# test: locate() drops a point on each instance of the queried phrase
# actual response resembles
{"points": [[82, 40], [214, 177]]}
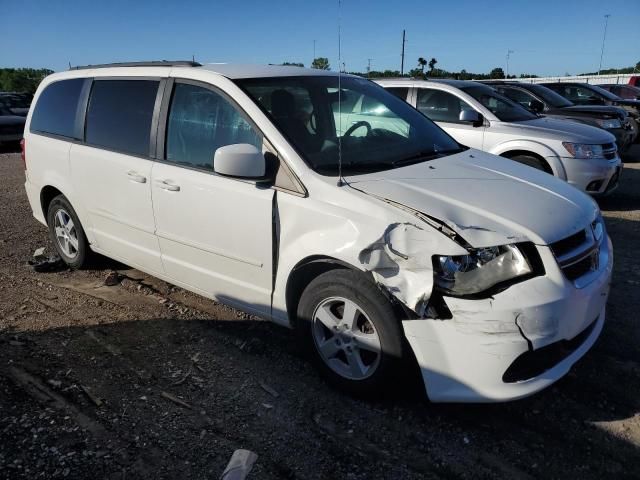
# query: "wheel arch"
{"points": [[47, 194], [534, 149], [303, 273]]}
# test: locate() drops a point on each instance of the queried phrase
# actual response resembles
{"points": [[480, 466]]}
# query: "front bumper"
{"points": [[464, 359], [595, 177], [624, 137]]}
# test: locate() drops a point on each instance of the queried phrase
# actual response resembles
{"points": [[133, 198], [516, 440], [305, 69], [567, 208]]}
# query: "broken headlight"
{"points": [[480, 270]]}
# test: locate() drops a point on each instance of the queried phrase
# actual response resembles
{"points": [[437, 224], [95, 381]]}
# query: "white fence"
{"points": [[595, 79]]}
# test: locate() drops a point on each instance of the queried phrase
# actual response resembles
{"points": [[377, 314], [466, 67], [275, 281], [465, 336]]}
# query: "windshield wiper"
{"points": [[424, 156]]}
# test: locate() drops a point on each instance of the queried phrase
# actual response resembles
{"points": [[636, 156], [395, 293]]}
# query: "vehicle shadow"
{"points": [[627, 196], [227, 368], [10, 147]]}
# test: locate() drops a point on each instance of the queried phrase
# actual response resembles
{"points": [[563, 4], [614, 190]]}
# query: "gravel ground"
{"points": [[145, 380]]}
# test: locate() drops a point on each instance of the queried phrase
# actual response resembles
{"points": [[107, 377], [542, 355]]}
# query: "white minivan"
{"points": [[385, 249], [479, 117]]}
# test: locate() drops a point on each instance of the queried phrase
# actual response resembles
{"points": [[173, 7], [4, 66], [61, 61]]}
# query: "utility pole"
{"points": [[402, 56], [509, 52], [604, 37], [314, 49], [369, 66]]}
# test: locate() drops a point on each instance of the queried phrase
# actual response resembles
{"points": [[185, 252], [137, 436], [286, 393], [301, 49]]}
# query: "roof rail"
{"points": [[158, 63]]}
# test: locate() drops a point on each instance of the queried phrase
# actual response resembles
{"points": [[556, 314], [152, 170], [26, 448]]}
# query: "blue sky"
{"points": [[548, 37]]}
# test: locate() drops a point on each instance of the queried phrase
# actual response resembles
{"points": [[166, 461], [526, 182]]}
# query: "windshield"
{"points": [[549, 96], [503, 108], [373, 129], [606, 94]]}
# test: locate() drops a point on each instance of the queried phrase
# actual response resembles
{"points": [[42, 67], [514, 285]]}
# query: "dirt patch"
{"points": [[144, 380]]}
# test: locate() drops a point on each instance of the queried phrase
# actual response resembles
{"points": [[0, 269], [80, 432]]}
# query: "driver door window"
{"points": [[201, 121]]}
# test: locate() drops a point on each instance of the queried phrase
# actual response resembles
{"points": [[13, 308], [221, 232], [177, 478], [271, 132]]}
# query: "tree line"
{"points": [[22, 79], [432, 72]]}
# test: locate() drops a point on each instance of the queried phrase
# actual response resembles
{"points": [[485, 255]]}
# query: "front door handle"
{"points": [[136, 177], [165, 185]]}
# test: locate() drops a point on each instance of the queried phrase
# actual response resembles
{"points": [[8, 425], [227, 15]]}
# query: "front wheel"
{"points": [[532, 161], [352, 332]]}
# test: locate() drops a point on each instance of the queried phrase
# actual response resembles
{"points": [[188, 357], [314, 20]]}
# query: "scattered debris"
{"points": [[42, 263], [113, 278], [16, 343], [240, 465], [184, 378], [175, 400], [55, 383], [268, 406], [269, 390], [91, 396]]}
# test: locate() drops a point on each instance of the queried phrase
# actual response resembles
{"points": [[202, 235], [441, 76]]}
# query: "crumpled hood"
{"points": [[488, 200], [546, 127]]}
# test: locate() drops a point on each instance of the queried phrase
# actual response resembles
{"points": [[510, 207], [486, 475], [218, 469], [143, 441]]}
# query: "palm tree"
{"points": [[421, 64], [432, 64]]}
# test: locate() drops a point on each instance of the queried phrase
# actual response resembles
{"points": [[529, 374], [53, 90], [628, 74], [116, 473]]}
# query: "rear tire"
{"points": [[532, 161], [67, 234], [352, 333]]}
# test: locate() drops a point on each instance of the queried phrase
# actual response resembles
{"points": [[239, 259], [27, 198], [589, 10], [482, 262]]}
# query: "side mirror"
{"points": [[240, 160], [536, 106], [471, 116]]}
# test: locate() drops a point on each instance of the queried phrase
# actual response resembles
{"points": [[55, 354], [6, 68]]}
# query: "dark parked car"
{"points": [[586, 94], [16, 103], [11, 128], [628, 92], [542, 100]]}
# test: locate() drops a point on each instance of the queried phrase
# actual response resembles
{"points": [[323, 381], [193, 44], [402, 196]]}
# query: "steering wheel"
{"points": [[357, 125]]}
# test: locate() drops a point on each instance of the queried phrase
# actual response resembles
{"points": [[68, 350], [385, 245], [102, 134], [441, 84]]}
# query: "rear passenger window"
{"points": [[201, 121], [55, 111], [119, 115]]}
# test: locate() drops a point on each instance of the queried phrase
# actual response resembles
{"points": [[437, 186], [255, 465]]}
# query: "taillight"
{"points": [[22, 153]]}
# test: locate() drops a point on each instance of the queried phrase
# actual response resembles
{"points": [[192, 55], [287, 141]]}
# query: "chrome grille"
{"points": [[579, 254]]}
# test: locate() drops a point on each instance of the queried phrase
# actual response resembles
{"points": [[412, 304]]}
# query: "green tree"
{"points": [[320, 63], [496, 73], [422, 62], [22, 79], [292, 64], [432, 64]]}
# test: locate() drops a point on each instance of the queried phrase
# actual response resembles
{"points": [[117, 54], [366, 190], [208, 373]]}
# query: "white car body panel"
{"points": [[388, 225]]}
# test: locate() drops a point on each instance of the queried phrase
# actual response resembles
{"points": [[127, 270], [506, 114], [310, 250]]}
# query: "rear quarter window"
{"points": [[119, 115], [55, 110]]}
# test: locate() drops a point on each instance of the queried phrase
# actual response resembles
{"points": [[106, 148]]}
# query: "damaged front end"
{"points": [[485, 319]]}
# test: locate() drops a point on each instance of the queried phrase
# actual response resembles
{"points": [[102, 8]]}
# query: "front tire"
{"points": [[351, 332], [533, 162], [67, 233]]}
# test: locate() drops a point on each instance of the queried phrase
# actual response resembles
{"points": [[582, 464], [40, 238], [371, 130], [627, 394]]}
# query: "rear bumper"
{"points": [[33, 194], [465, 358]]}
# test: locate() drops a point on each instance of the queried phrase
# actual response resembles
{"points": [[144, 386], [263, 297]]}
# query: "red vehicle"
{"points": [[635, 81]]}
